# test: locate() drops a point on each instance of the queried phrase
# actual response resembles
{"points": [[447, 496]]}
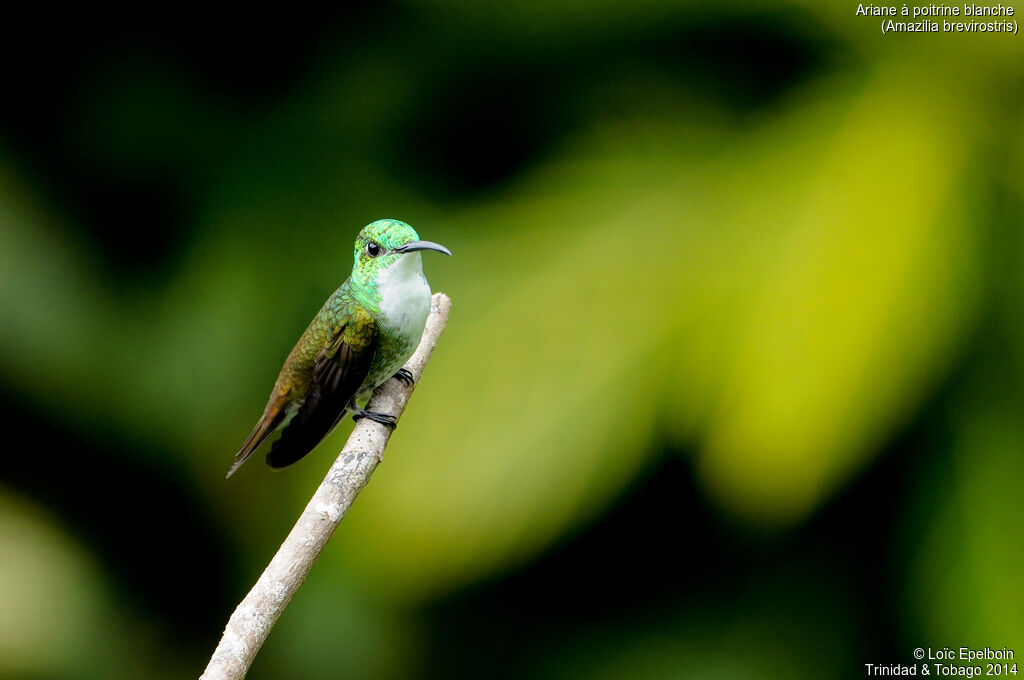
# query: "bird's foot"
{"points": [[404, 375], [382, 418]]}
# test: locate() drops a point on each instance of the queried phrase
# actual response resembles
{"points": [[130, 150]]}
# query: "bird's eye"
{"points": [[372, 249]]}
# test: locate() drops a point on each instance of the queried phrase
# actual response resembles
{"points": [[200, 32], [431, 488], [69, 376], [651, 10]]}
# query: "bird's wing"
{"points": [[340, 369]]}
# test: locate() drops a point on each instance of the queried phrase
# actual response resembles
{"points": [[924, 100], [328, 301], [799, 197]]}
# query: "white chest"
{"points": [[404, 296]]}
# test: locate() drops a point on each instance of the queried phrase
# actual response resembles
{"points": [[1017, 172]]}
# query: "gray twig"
{"points": [[252, 620]]}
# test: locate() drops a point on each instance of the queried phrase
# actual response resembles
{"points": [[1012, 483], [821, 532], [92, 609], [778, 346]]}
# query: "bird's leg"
{"points": [[404, 375]]}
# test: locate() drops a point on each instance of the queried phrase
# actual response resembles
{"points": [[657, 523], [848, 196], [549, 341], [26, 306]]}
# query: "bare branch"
{"points": [[252, 620]]}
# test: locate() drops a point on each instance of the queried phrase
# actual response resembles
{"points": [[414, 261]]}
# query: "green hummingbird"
{"points": [[362, 336]]}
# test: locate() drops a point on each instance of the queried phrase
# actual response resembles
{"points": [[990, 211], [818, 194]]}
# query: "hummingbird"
{"points": [[360, 338]]}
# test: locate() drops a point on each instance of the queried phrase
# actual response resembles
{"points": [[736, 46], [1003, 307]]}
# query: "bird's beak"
{"points": [[422, 245]]}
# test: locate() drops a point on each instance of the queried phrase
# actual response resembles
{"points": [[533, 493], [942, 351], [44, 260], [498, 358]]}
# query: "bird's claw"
{"points": [[382, 418]]}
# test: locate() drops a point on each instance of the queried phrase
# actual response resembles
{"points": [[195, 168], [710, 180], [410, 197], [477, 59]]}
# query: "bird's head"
{"points": [[383, 243]]}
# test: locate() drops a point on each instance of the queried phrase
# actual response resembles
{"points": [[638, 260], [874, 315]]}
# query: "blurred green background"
{"points": [[733, 384]]}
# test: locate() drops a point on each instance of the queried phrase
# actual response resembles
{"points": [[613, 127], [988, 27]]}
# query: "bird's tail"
{"points": [[272, 417]]}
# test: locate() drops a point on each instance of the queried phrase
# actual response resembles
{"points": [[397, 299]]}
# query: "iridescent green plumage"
{"points": [[360, 337]]}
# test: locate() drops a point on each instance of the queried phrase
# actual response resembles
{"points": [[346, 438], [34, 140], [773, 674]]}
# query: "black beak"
{"points": [[422, 245]]}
